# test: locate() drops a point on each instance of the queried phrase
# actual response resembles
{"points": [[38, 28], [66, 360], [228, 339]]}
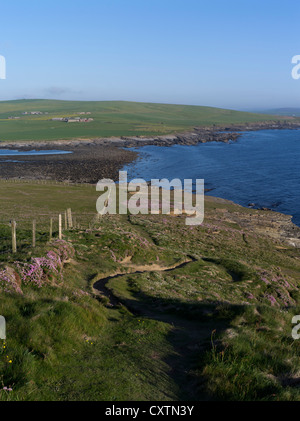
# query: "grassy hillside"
{"points": [[176, 312], [110, 119]]}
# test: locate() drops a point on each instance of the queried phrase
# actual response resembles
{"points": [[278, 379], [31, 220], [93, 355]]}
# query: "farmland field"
{"points": [[111, 118]]}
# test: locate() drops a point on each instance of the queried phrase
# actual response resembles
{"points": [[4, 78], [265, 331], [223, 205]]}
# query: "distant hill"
{"points": [[290, 112], [111, 118]]}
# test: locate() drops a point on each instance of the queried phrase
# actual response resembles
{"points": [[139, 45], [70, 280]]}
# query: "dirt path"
{"points": [[99, 286], [189, 337]]}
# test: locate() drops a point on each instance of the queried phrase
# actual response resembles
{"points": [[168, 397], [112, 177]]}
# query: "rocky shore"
{"points": [[94, 159], [87, 163], [208, 134], [275, 225]]}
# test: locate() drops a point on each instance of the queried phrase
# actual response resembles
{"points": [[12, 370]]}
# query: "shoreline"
{"points": [[275, 225], [200, 134], [96, 159]]}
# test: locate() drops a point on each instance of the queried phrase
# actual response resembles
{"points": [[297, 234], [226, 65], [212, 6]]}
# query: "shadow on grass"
{"points": [[193, 327]]}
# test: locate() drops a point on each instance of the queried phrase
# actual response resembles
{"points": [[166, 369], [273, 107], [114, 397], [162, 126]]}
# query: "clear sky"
{"points": [[224, 53]]}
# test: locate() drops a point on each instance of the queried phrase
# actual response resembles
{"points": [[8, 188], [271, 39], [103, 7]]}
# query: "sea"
{"points": [[260, 170], [13, 152]]}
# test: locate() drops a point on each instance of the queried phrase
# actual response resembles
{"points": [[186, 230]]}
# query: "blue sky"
{"points": [[232, 54]]}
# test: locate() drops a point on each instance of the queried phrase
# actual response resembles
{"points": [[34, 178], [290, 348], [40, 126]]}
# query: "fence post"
{"points": [[34, 233], [70, 220], [51, 228], [66, 221], [14, 236], [60, 227]]}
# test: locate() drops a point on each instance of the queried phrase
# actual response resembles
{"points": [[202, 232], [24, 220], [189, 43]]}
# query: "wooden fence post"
{"points": [[51, 228], [34, 233], [60, 227], [14, 236], [66, 221], [70, 220]]}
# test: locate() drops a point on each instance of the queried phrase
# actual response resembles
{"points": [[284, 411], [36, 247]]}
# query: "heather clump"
{"points": [[10, 281], [63, 249], [39, 271]]}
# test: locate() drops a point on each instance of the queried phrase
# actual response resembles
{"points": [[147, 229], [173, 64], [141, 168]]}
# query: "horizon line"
{"points": [[249, 110]]}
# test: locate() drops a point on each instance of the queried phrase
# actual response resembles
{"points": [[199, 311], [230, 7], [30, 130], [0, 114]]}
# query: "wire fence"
{"points": [[18, 236]]}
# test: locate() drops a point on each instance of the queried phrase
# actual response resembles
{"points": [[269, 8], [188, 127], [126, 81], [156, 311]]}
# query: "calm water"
{"points": [[261, 167], [11, 152]]}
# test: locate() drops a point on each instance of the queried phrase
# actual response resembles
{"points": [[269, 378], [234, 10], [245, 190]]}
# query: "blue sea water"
{"points": [[12, 152], [261, 167]]}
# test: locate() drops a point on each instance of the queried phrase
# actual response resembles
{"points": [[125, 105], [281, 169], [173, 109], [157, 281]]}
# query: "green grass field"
{"points": [[111, 118], [204, 312]]}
